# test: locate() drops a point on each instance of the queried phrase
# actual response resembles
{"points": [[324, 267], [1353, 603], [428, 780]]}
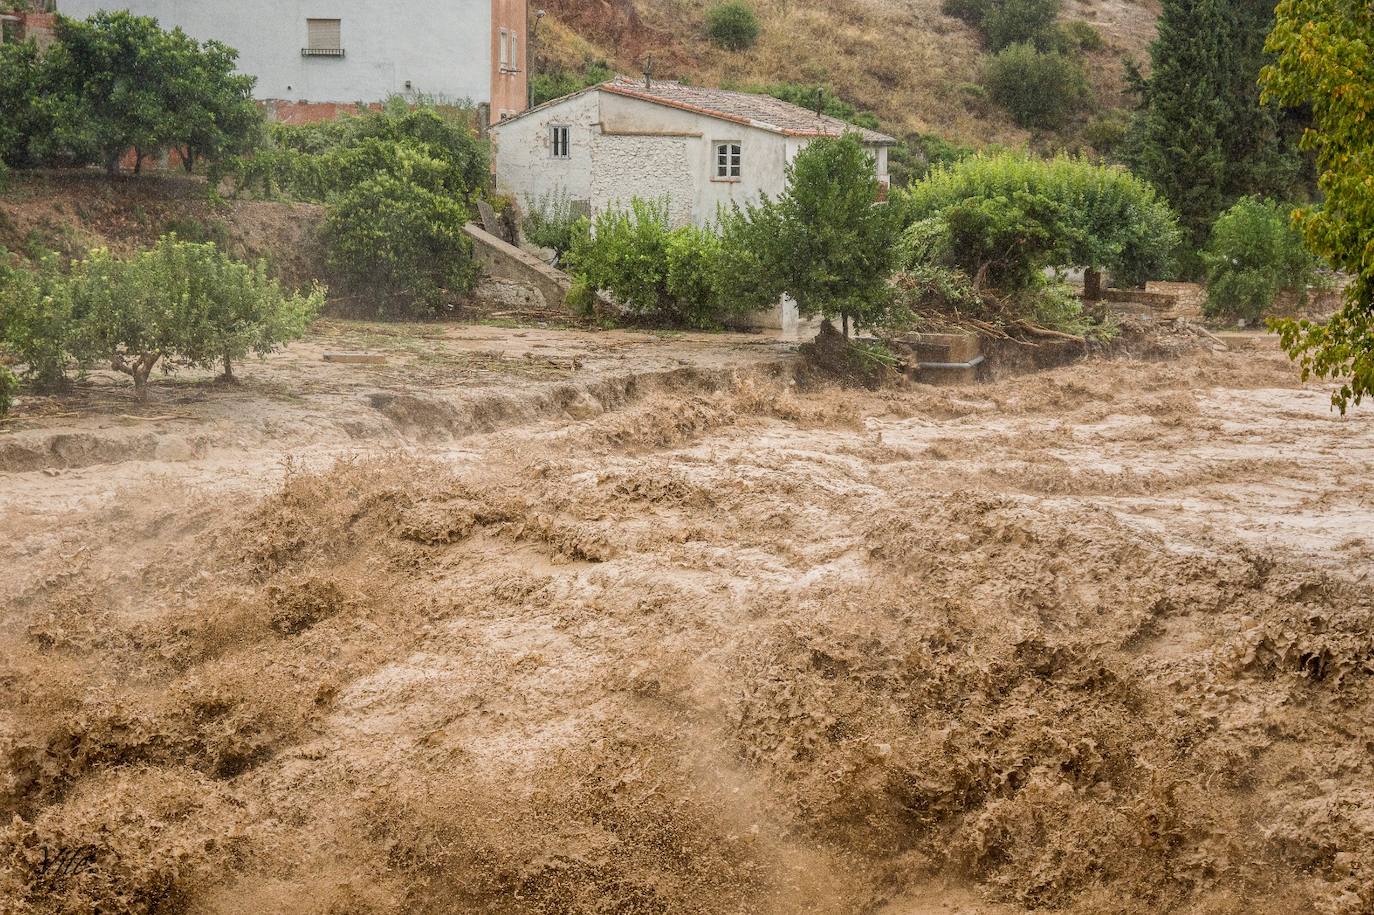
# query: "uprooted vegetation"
{"points": [[715, 652]]}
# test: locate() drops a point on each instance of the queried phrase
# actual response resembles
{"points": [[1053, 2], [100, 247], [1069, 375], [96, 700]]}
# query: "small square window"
{"points": [[560, 142], [729, 160], [323, 38]]}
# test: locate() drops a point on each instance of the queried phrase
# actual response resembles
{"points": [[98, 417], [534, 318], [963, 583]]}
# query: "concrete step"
{"points": [[945, 359]]}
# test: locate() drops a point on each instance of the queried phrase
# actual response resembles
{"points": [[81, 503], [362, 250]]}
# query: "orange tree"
{"points": [[1325, 59]]}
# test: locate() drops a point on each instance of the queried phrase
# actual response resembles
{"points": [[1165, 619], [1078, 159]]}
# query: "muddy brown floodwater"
{"points": [[675, 633]]}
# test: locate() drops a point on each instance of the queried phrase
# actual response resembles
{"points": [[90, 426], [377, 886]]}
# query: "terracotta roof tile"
{"points": [[762, 111]]}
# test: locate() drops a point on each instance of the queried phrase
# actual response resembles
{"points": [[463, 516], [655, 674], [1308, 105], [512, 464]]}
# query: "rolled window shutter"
{"points": [[324, 35]]}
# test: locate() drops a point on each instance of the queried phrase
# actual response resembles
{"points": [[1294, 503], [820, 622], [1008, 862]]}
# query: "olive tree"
{"points": [[181, 304]]}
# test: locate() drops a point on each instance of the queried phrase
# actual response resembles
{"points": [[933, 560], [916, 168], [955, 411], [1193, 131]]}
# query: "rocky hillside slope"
{"points": [[905, 60]]}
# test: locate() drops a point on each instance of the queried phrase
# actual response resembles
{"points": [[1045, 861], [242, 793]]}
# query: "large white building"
{"points": [[697, 147], [346, 51]]}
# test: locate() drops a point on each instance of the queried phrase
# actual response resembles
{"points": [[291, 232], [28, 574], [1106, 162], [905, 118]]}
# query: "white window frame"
{"points": [[727, 160], [514, 66], [504, 49], [554, 151]]}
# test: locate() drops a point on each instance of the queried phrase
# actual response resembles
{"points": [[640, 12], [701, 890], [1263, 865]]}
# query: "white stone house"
{"points": [[338, 52], [695, 146]]}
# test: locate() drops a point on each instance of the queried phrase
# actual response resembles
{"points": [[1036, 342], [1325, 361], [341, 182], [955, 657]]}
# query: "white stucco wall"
{"points": [[625, 147], [443, 47]]}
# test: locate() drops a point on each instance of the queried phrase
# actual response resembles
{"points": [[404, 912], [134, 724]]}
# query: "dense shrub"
{"points": [[1255, 252], [435, 148], [651, 269], [971, 11], [392, 237], [1041, 89], [732, 25], [399, 183], [545, 87], [550, 222], [1081, 35], [1009, 22], [1004, 218], [692, 258], [1107, 133]]}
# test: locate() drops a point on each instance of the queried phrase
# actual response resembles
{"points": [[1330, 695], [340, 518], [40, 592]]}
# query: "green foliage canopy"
{"points": [[651, 269], [831, 245], [1325, 58], [390, 235], [117, 82], [1005, 217], [1254, 253], [1202, 134], [179, 303]]}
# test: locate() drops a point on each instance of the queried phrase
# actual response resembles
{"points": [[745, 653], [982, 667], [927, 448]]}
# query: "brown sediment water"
{"points": [[1098, 639]]}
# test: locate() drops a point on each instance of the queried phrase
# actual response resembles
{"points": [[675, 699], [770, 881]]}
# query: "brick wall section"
{"points": [[37, 26], [503, 261], [287, 112]]}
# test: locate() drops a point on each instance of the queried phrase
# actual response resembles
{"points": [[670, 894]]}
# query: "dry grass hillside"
{"points": [[914, 66]]}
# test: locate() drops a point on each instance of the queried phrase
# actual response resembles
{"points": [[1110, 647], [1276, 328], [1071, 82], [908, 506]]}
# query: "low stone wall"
{"points": [[502, 261], [1140, 296]]}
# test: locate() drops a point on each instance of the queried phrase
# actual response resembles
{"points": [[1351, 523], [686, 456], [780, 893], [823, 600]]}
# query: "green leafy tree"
{"points": [[118, 82], [733, 25], [21, 99], [1255, 253], [1324, 60], [238, 308], [832, 245], [1202, 134], [1004, 218], [393, 237], [181, 304], [1041, 89], [41, 322], [213, 117]]}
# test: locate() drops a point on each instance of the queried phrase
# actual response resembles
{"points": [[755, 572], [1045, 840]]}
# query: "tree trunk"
{"points": [[138, 161], [844, 324], [188, 160], [1092, 285], [112, 163], [228, 375], [138, 370]]}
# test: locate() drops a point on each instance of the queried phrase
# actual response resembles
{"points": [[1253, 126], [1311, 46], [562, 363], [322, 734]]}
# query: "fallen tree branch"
{"points": [[1038, 331]]}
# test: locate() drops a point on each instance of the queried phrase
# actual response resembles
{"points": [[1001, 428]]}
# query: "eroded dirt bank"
{"points": [[1099, 639]]}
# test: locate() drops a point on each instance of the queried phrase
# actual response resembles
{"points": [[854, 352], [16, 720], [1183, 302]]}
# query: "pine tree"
{"points": [[1201, 135]]}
